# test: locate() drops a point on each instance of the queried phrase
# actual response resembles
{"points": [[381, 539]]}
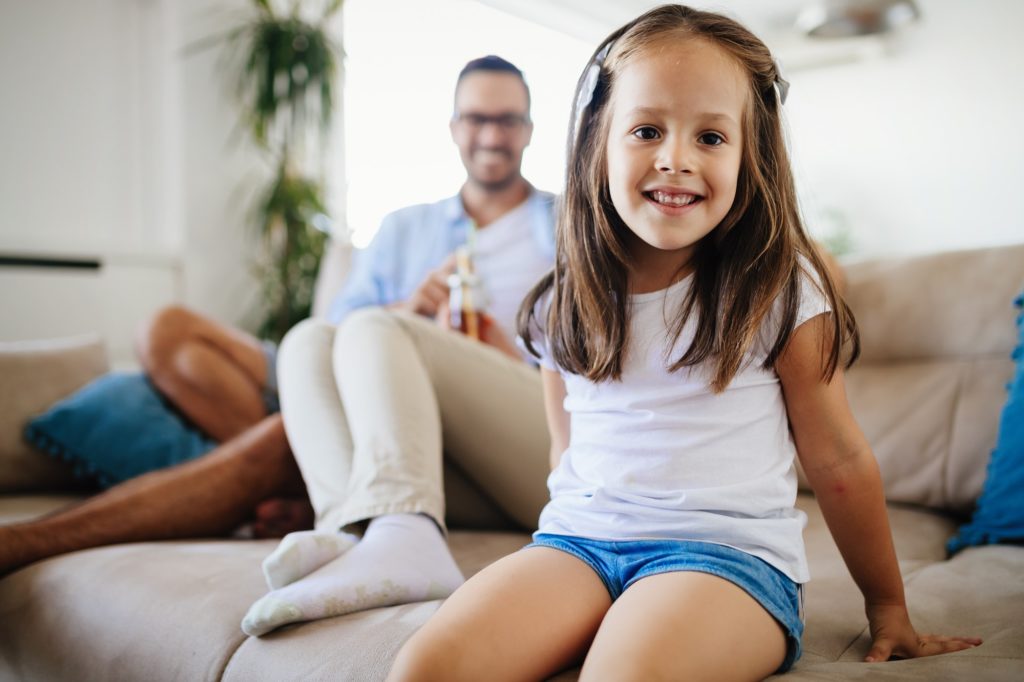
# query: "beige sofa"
{"points": [[937, 333]]}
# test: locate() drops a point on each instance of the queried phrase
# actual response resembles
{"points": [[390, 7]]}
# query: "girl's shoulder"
{"points": [[813, 300]]}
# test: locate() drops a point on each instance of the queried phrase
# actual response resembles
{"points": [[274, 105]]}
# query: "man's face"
{"points": [[491, 127]]}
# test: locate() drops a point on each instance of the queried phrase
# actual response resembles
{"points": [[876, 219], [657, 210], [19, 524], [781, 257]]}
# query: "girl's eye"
{"points": [[711, 139], [646, 133]]}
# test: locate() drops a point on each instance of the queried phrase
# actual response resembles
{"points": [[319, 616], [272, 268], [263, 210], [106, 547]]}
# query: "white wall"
{"points": [[922, 149], [117, 145]]}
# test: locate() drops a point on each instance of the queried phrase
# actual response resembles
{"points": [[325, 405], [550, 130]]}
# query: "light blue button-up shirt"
{"points": [[413, 241]]}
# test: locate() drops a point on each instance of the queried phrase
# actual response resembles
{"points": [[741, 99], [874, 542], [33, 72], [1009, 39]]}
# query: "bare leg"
{"points": [[685, 626], [214, 374], [526, 616], [206, 497]]}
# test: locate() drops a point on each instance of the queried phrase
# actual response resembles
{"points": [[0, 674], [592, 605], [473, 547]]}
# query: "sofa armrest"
{"points": [[33, 376]]}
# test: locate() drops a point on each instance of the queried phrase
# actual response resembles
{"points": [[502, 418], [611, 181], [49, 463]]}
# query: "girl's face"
{"points": [[675, 142]]}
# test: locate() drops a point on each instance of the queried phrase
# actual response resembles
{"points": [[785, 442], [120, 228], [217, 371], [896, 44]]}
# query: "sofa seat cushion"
{"points": [[833, 605], [171, 610], [979, 592], [146, 611]]}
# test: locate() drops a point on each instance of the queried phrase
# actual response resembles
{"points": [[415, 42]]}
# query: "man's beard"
{"points": [[496, 185]]}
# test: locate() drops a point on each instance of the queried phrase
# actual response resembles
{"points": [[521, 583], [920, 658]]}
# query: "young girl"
{"points": [[691, 342]]}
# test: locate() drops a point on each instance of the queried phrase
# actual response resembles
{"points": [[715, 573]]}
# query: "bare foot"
{"points": [[278, 516]]}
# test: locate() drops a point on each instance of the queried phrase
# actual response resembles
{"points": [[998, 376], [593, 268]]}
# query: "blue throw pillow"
{"points": [[116, 428], [999, 516]]}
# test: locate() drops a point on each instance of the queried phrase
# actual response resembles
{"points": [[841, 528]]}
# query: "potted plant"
{"points": [[285, 69]]}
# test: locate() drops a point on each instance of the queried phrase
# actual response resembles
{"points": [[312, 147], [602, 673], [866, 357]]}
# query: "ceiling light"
{"points": [[849, 18]]}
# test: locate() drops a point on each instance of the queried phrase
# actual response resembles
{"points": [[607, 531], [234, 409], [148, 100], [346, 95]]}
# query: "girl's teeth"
{"points": [[673, 199]]}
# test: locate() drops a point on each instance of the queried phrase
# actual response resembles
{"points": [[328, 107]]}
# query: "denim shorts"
{"points": [[619, 564]]}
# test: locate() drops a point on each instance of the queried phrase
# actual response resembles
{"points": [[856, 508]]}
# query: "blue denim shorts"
{"points": [[619, 564]]}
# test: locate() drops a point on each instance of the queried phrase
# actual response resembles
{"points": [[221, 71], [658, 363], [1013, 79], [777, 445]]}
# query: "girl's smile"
{"points": [[672, 201]]}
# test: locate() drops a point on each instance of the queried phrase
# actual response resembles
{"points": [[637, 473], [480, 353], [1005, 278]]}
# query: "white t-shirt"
{"points": [[509, 261], [659, 455]]}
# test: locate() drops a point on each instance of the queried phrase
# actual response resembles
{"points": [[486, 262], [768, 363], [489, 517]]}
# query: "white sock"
{"points": [[301, 553], [402, 558]]}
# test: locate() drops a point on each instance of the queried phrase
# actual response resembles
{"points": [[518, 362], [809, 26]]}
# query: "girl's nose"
{"points": [[674, 158]]}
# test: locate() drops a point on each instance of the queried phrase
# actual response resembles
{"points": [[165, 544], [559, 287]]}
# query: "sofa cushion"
{"points": [[33, 376], [171, 610], [930, 382], [116, 428], [1000, 513]]}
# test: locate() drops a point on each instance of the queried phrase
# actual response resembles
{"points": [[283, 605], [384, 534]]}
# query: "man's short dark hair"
{"points": [[494, 64]]}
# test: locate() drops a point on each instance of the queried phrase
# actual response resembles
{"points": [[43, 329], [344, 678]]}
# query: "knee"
{"points": [[305, 339], [366, 325], [161, 336], [305, 333]]}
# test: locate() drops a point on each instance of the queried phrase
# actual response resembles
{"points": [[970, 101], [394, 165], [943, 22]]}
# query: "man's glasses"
{"points": [[506, 122]]}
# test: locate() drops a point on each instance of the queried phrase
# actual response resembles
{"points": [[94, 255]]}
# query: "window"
{"points": [[403, 57]]}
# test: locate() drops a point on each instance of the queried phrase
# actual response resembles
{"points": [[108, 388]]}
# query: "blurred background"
{"points": [[128, 182]]}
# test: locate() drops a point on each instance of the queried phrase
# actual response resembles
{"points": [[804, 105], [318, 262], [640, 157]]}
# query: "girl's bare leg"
{"points": [[526, 616], [685, 626]]}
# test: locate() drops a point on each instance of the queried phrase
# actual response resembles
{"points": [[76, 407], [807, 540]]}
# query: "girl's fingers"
{"points": [[927, 645], [881, 650], [931, 645]]}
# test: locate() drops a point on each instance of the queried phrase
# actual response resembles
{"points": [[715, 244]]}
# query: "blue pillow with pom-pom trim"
{"points": [[999, 516], [115, 428]]}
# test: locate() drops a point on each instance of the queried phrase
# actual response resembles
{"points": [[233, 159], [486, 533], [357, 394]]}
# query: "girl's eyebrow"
{"points": [[659, 111]]}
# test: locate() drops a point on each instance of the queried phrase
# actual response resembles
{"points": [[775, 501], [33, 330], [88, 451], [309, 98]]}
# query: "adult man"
{"points": [[370, 408], [222, 379]]}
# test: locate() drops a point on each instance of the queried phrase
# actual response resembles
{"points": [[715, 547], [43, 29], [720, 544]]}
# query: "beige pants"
{"points": [[369, 410]]}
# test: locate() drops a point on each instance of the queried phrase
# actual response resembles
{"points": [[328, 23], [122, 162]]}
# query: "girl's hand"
{"points": [[892, 635]]}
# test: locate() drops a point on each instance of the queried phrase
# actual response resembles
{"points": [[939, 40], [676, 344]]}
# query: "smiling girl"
{"points": [[692, 344]]}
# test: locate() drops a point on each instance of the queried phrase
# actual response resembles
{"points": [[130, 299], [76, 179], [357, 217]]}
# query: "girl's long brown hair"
{"points": [[752, 259]]}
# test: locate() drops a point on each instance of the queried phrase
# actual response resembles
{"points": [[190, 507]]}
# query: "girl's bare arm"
{"points": [[844, 475], [558, 418]]}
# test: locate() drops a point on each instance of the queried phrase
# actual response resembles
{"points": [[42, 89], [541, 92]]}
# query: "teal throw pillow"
{"points": [[999, 516], [115, 428]]}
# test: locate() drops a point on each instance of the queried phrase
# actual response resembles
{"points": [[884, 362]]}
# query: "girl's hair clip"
{"points": [[590, 82], [781, 84], [589, 85]]}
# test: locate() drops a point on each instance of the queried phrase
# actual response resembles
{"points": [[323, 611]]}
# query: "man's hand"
{"points": [[892, 635], [433, 292], [490, 332]]}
